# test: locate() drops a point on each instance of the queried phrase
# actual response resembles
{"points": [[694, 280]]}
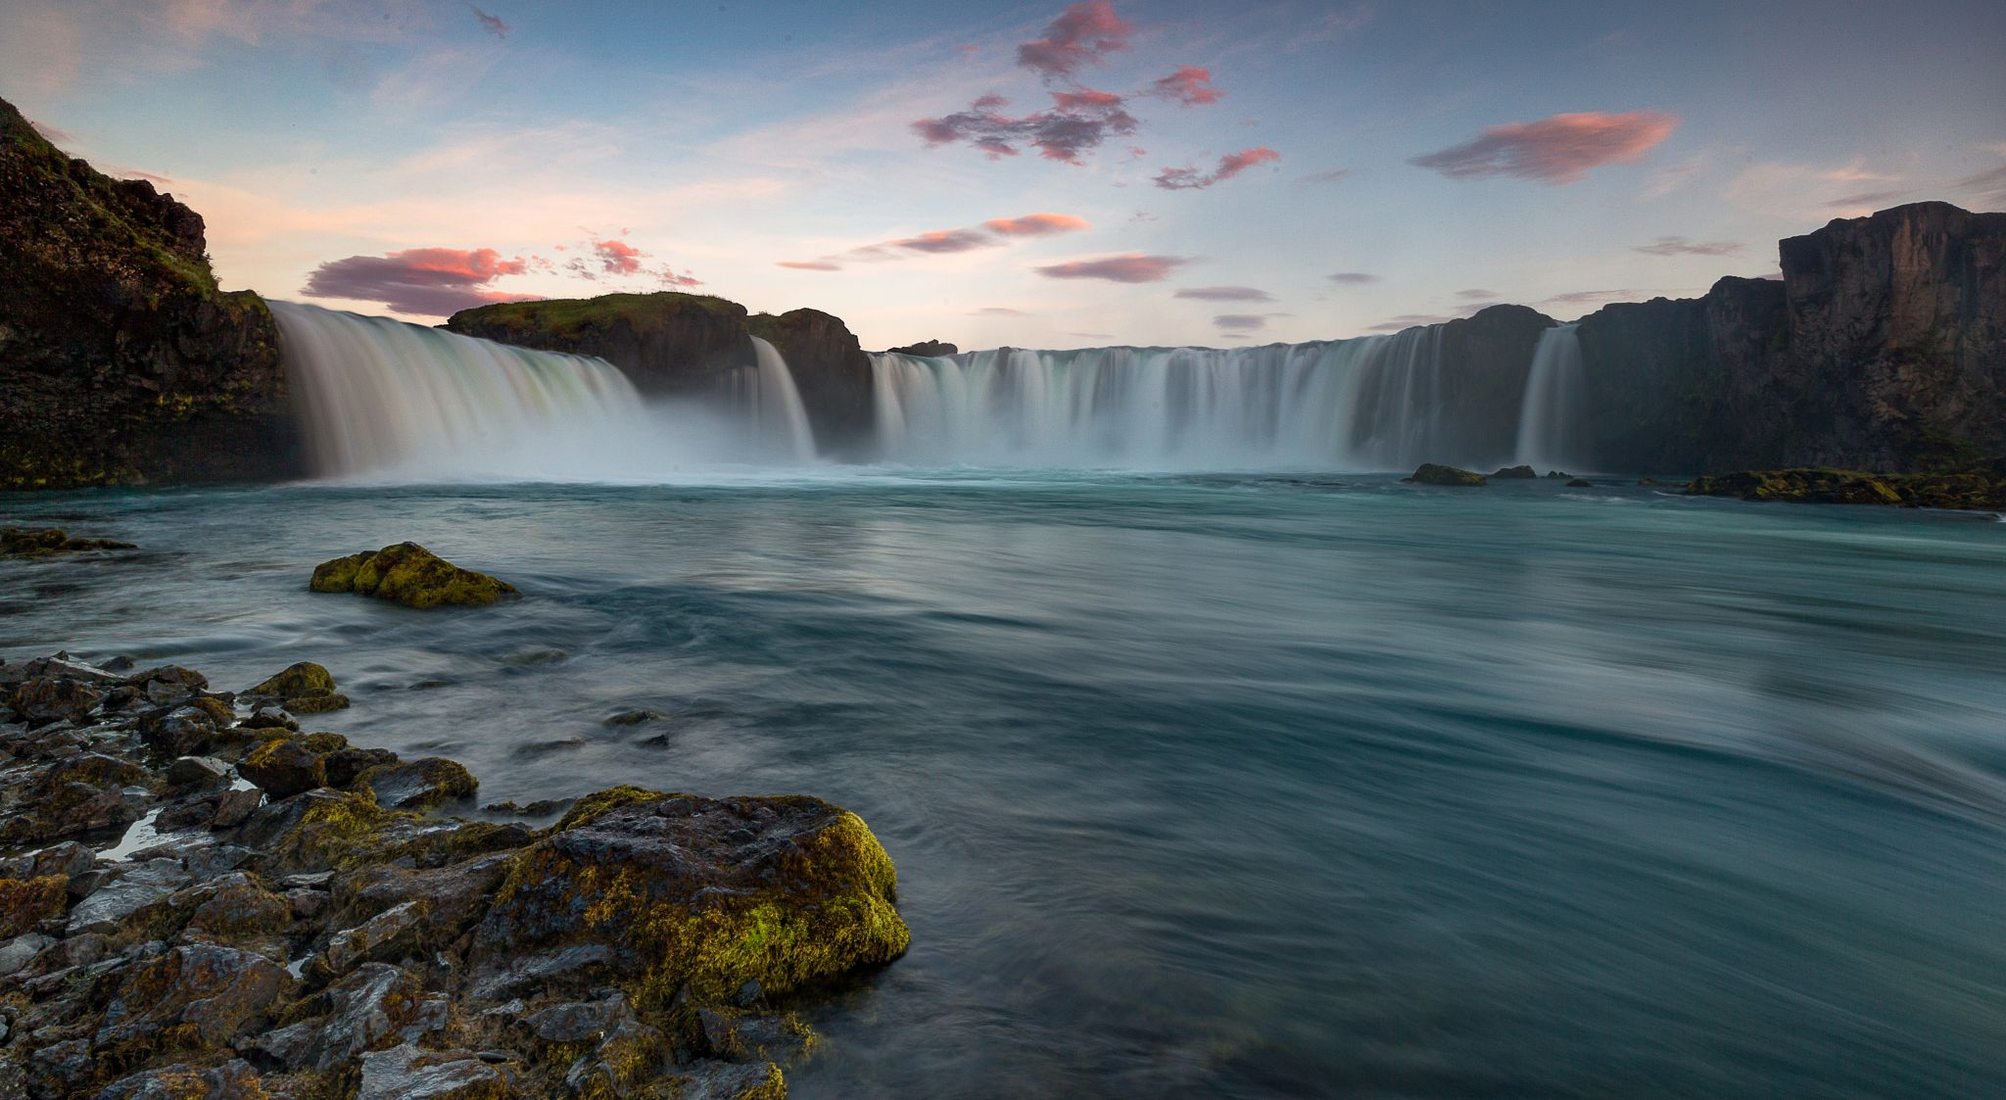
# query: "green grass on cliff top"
{"points": [[561, 314]]}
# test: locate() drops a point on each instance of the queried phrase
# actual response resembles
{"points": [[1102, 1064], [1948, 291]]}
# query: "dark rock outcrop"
{"points": [[1434, 473], [1882, 347], [690, 344], [1974, 491], [1486, 358], [930, 349], [120, 359], [831, 371], [22, 542]]}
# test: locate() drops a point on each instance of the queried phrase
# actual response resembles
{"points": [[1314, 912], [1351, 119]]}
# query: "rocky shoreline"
{"points": [[199, 897]]}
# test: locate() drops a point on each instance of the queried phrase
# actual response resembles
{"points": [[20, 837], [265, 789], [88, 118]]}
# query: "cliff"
{"points": [[1489, 355], [120, 360], [1883, 347], [670, 343]]}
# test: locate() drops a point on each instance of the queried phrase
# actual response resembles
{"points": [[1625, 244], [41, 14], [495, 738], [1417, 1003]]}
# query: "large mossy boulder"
{"points": [[409, 574], [719, 897], [120, 359]]}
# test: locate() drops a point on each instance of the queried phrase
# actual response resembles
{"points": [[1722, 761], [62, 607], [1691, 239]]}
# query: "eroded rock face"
{"points": [[120, 360], [831, 371], [1883, 347], [409, 574]]}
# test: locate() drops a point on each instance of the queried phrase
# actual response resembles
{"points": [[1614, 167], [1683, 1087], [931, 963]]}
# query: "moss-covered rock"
{"points": [[712, 895], [1432, 473], [409, 574], [284, 767], [27, 542], [423, 784], [25, 903], [303, 678], [1818, 485]]}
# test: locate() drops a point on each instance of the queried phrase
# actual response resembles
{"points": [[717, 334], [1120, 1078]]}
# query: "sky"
{"points": [[1151, 172]]}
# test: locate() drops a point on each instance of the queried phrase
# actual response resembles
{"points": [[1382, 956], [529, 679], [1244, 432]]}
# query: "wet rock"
{"points": [[731, 1081], [168, 684], [1810, 485], [68, 859], [111, 904], [61, 1068], [270, 720], [238, 910], [422, 784], [634, 718], [197, 772], [572, 967], [233, 1080], [409, 574], [219, 992], [26, 903], [41, 701], [386, 935], [284, 767], [1431, 473], [407, 1073], [364, 1011], [26, 542], [236, 806], [704, 893], [1580, 483], [345, 766], [303, 688], [580, 1021], [1516, 473], [17, 952], [454, 896]]}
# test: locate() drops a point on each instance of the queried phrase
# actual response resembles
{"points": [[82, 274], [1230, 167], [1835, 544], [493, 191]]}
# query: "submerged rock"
{"points": [[409, 574], [1432, 473], [25, 542]]}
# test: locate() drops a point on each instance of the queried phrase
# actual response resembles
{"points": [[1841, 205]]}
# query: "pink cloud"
{"points": [[947, 240], [1078, 122], [1191, 179], [810, 265], [1035, 225], [490, 23], [618, 257], [425, 282], [1082, 35], [1560, 149], [1225, 294], [1131, 267], [614, 257], [1190, 86]]}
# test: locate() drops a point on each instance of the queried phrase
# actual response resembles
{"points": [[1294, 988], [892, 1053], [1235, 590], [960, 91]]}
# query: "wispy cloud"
{"points": [[1191, 179], [1132, 267], [1189, 86], [1807, 191], [1477, 295], [990, 234], [427, 282], [1225, 294], [1328, 175], [1989, 185], [492, 24], [1680, 246], [1078, 123], [1244, 322], [1555, 150], [1410, 320], [1352, 278], [998, 311], [615, 258], [1082, 35]]}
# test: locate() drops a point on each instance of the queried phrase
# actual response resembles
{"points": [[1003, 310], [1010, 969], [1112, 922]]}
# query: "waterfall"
{"points": [[1373, 403], [384, 399], [774, 404], [1553, 415]]}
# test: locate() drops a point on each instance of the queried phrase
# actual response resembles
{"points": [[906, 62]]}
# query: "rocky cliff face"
{"points": [[120, 360], [1883, 347], [670, 343], [831, 371], [1490, 353]]}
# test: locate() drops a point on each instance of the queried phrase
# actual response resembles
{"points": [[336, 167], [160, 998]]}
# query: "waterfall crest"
{"points": [[1553, 413], [1373, 403], [384, 399]]}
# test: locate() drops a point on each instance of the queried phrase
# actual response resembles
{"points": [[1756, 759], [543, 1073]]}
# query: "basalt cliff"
{"points": [[120, 359]]}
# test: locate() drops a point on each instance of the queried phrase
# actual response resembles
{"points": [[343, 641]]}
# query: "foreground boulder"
{"points": [[1432, 473], [724, 898], [120, 359], [1816, 485], [303, 688], [409, 574]]}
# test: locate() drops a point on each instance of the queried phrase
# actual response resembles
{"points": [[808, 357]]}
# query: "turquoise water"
{"points": [[1223, 786]]}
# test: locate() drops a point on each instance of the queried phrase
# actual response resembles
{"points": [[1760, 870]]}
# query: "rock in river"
{"points": [[411, 575]]}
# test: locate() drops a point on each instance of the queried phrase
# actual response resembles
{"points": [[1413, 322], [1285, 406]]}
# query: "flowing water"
{"points": [[1553, 415], [1221, 785]]}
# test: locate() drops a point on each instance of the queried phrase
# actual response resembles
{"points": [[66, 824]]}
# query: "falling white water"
{"points": [[382, 399], [1552, 416], [1375, 403]]}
